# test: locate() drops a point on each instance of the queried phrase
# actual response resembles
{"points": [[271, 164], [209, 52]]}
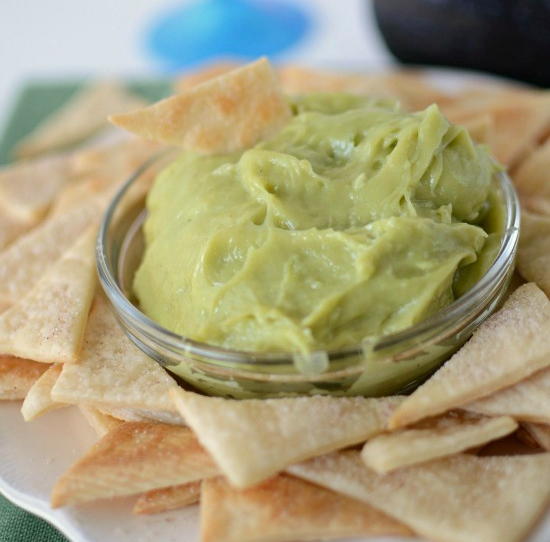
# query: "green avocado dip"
{"points": [[356, 220]]}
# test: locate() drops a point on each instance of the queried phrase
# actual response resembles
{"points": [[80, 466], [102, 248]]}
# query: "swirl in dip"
{"points": [[354, 221]]}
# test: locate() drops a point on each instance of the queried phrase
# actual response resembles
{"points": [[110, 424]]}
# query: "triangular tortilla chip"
{"points": [[253, 439], [481, 128], [413, 89], [531, 177], [534, 249], [540, 433], [458, 499], [99, 171], [142, 415], [513, 112], [536, 205], [114, 163], [478, 122], [26, 260], [225, 114], [508, 347], [525, 115], [27, 191], [17, 376], [528, 400], [83, 115], [133, 458], [111, 370], [11, 227], [38, 400], [471, 100], [101, 423], [48, 323], [300, 80], [89, 187], [286, 509], [432, 439], [512, 444], [29, 188], [204, 73], [168, 498]]}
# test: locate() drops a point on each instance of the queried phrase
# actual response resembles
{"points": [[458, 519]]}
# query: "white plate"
{"points": [[33, 455]]}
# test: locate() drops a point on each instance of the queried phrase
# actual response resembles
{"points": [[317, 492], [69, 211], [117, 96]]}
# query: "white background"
{"points": [[65, 38]]}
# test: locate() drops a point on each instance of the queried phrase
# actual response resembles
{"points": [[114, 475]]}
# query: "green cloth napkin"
{"points": [[34, 103], [38, 99], [16, 525]]}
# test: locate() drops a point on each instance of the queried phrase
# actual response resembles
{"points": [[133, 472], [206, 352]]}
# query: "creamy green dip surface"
{"points": [[354, 221]]}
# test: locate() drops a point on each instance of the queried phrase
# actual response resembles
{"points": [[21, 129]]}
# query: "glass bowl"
{"points": [[391, 364]]}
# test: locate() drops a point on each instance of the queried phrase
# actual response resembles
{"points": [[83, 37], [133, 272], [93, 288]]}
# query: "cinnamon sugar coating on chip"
{"points": [[224, 114], [132, 458], [17, 376]]}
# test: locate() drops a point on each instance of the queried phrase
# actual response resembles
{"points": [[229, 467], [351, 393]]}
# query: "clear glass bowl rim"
{"points": [[176, 342]]}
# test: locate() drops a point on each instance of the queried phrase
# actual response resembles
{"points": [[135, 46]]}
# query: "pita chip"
{"points": [[432, 439], [101, 423], [528, 400], [533, 260], [225, 114], [17, 376], [133, 458], [540, 433], [48, 323], [28, 189], [38, 400], [168, 498], [509, 346], [253, 439], [24, 262], [111, 370], [82, 116], [463, 498], [285, 508]]}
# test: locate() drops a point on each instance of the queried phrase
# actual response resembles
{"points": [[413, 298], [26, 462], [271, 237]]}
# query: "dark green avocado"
{"points": [[504, 37]]}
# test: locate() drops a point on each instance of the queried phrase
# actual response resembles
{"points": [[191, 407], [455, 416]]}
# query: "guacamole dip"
{"points": [[356, 220]]}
